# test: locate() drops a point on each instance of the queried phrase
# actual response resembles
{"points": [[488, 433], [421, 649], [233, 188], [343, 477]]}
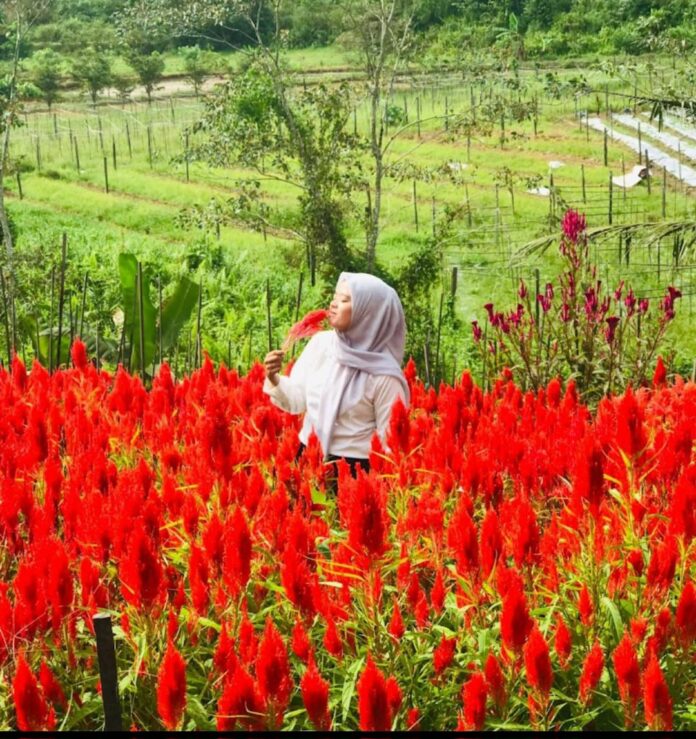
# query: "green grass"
{"points": [[139, 213]]}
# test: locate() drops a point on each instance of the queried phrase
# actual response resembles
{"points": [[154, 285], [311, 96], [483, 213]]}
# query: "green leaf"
{"points": [[128, 271], [177, 310], [615, 615], [349, 686]]}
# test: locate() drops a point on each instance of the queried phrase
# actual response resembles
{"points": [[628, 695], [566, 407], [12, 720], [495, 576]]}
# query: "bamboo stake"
{"points": [[61, 298]]}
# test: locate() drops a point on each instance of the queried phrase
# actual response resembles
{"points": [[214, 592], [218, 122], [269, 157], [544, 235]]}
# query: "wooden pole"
{"points": [[149, 145], [606, 148], [50, 320], [106, 656], [159, 318], [297, 305], [61, 297], [83, 307], [199, 326], [269, 323], [6, 314], [128, 139], [611, 199], [106, 175], [19, 185], [141, 320]]}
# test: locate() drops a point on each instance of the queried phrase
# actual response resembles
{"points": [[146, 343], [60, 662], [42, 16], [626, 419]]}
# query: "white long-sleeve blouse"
{"points": [[301, 391]]}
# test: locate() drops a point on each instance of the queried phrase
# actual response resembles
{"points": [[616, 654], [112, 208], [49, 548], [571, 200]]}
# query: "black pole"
{"points": [[106, 655]]}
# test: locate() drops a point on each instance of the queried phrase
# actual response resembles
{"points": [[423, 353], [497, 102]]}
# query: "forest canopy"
{"points": [[533, 28]]}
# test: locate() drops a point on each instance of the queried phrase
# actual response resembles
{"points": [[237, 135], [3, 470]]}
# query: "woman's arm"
{"points": [[387, 390], [290, 393]]}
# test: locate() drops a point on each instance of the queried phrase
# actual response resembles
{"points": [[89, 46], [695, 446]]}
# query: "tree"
{"points": [[16, 19], [123, 84], [46, 74], [297, 136], [198, 65], [381, 31], [149, 68], [93, 71]]}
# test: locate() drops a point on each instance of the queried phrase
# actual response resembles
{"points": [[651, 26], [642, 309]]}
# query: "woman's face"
{"points": [[341, 308]]}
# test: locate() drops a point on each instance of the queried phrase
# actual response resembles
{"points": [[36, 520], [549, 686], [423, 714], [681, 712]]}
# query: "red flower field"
{"points": [[515, 560]]}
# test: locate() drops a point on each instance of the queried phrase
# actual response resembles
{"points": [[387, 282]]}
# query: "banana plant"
{"points": [[144, 333]]}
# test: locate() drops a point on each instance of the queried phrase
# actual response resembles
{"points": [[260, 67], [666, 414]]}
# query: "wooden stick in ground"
{"points": [[6, 315], [61, 298], [106, 656], [141, 320], [268, 315], [84, 304]]}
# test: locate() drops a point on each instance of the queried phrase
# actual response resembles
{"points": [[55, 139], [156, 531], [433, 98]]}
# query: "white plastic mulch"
{"points": [[664, 137], [657, 156]]}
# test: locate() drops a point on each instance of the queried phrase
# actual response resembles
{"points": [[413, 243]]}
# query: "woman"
{"points": [[347, 380]]}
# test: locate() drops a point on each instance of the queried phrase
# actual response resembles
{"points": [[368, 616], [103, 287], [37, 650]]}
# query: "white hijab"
{"points": [[373, 345]]}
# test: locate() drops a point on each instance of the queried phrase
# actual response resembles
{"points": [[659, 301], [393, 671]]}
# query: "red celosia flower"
{"points": [[562, 642], [141, 572], [413, 718], [171, 688], [496, 680], [639, 628], [630, 432], [79, 354], [491, 542], [236, 563], [300, 641], [686, 614], [474, 696], [225, 658], [298, 580], [462, 540], [304, 328], [396, 624], [240, 703], [374, 710], [198, 580], [273, 671], [658, 701], [398, 433], [589, 476], [573, 225], [443, 654], [437, 594], [33, 712], [538, 663], [515, 622], [627, 675], [363, 504], [585, 606], [591, 671], [332, 640], [663, 563], [315, 696], [660, 374], [51, 687], [394, 695]]}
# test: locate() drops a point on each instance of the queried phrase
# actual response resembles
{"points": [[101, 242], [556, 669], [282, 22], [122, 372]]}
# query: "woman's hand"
{"points": [[273, 363]]}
